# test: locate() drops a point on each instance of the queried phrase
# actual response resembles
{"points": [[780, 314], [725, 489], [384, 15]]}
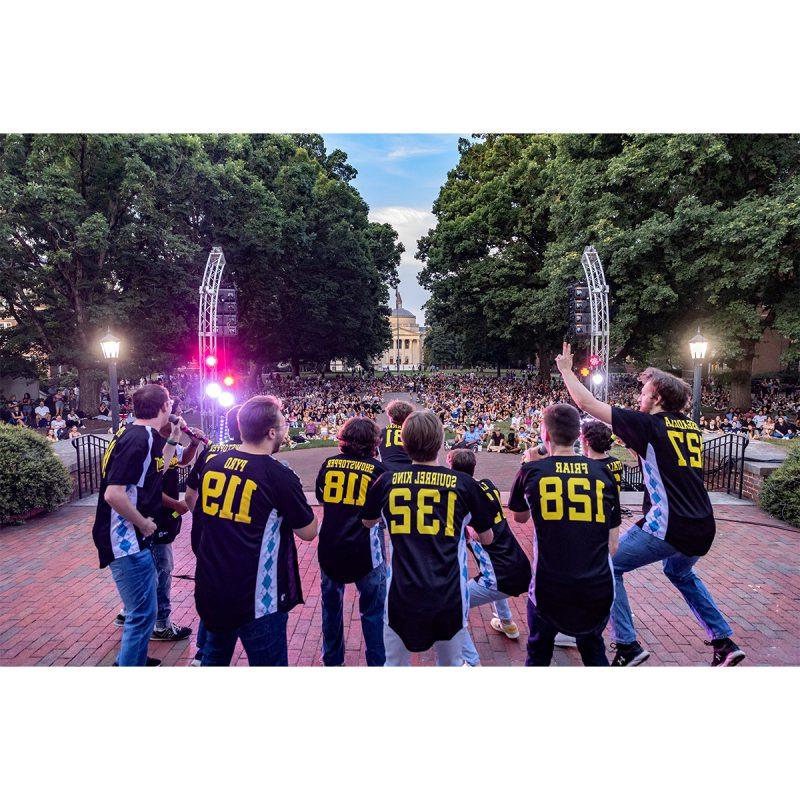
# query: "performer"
{"points": [[192, 485], [348, 552], [575, 507], [678, 524], [505, 570], [393, 454], [426, 509], [130, 498], [247, 577]]}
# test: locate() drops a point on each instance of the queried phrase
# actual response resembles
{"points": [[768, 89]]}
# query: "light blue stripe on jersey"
{"points": [[266, 594]]}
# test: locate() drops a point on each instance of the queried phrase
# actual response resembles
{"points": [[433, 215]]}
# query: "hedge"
{"points": [[31, 475], [780, 494]]}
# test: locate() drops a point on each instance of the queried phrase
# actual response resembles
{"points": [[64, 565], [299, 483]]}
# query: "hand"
{"points": [[176, 429], [149, 527], [532, 454], [564, 361]]}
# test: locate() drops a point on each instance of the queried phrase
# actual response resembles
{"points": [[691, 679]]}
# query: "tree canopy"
{"points": [[692, 229], [100, 230]]}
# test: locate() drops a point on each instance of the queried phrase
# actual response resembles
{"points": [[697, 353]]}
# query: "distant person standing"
{"points": [[678, 524], [393, 453]]}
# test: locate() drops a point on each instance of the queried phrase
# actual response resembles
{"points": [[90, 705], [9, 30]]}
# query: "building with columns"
{"points": [[407, 339]]}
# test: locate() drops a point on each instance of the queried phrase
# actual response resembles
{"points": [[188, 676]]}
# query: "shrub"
{"points": [[780, 494], [31, 475]]}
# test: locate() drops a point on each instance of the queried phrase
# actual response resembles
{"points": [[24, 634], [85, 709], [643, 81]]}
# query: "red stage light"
{"points": [[211, 361], [594, 361], [228, 380]]}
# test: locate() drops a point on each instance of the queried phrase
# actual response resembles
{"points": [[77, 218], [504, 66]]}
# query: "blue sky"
{"points": [[399, 176]]}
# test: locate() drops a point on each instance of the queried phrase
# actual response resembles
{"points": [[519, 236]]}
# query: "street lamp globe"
{"points": [[110, 346], [698, 345]]}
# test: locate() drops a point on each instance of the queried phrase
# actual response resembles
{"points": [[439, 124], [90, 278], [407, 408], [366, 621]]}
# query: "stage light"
{"points": [[584, 371], [211, 361], [228, 380], [597, 379], [213, 390], [226, 399], [594, 361]]}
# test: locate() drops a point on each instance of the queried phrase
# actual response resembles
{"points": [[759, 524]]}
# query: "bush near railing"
{"points": [[32, 478], [780, 494]]}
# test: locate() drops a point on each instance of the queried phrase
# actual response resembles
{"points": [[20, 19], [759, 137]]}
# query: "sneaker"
{"points": [[151, 662], [197, 660], [510, 629], [726, 653], [629, 655], [119, 620], [175, 633], [562, 640]]}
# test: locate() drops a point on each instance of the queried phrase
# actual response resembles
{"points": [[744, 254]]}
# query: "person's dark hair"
{"points": [[597, 434], [563, 423], [257, 416], [359, 437], [422, 435], [399, 411], [148, 400], [674, 392], [462, 461], [232, 421]]}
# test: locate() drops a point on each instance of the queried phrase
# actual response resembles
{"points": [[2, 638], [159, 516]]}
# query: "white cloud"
{"points": [[406, 151], [410, 224]]}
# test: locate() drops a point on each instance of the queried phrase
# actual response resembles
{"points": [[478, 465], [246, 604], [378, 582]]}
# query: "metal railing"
{"points": [[723, 466], [90, 450], [723, 463]]}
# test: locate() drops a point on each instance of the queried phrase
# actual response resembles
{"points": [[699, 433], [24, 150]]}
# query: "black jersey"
{"points": [[393, 454], [614, 466], [574, 503], [132, 460], [503, 564], [193, 482], [347, 550], [168, 520], [676, 504], [426, 510], [247, 561]]}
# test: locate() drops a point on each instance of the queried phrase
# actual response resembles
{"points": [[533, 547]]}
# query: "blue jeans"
{"points": [[263, 639], [478, 596], [202, 635], [542, 637], [448, 654], [162, 553], [371, 600], [636, 549], [135, 576]]}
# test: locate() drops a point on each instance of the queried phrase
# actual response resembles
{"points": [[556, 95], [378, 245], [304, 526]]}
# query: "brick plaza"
{"points": [[57, 607]]}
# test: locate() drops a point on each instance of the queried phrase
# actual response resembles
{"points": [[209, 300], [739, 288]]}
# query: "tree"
{"points": [[87, 239], [485, 257]]}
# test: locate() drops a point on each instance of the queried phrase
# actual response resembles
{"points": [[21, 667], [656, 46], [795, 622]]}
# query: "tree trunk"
{"points": [[295, 361], [498, 369], [89, 385], [742, 377], [543, 372]]}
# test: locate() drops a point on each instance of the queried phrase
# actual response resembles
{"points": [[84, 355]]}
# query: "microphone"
{"points": [[204, 439]]}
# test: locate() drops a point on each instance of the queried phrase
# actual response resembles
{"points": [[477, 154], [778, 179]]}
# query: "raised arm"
{"points": [[583, 398]]}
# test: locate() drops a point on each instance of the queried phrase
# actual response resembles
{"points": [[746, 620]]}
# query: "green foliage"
{"points": [[31, 475], [690, 227], [780, 494], [114, 230]]}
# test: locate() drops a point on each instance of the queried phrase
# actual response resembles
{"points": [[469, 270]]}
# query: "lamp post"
{"points": [[110, 346], [698, 345]]}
